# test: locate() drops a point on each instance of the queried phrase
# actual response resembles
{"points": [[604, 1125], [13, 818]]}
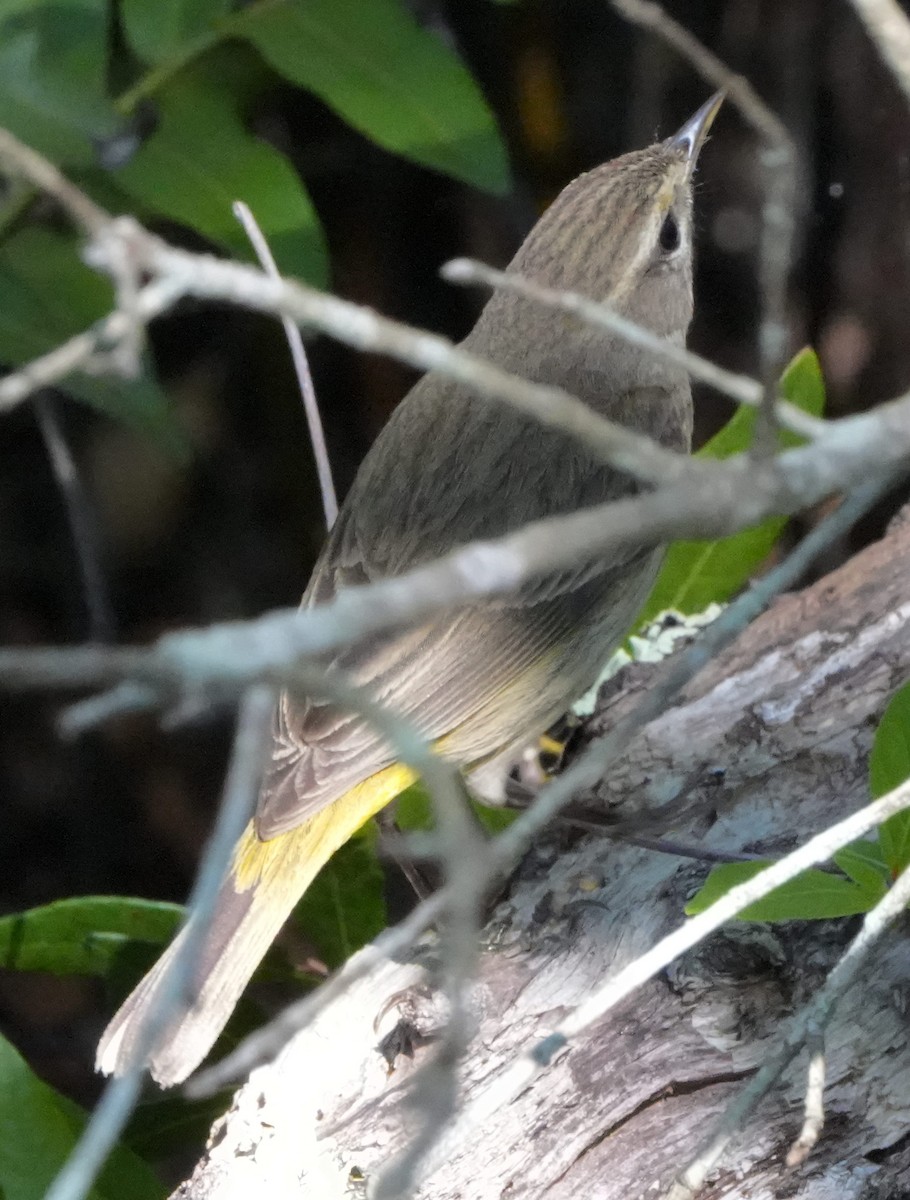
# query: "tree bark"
{"points": [[769, 745]]}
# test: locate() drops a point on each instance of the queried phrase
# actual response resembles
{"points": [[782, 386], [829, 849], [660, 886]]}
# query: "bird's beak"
{"points": [[694, 133]]}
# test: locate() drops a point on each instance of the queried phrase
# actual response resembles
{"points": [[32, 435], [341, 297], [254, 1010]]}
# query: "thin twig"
{"points": [[814, 1017], [89, 351], [888, 27], [83, 528], [20, 160], [301, 366], [778, 222], [126, 697], [738, 493], [814, 1108], [120, 1096], [740, 388], [207, 277]]}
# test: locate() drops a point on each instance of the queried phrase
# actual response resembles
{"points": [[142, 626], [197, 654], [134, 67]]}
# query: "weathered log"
{"points": [[772, 741]]}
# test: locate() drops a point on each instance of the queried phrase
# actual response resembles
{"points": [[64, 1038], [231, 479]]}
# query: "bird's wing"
{"points": [[476, 679]]}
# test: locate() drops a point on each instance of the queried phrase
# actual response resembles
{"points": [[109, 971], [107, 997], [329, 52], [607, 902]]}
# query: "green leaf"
{"points": [[889, 762], [696, 574], [85, 935], [159, 30], [398, 84], [40, 1128], [414, 812], [53, 65], [344, 908], [864, 862], [493, 818], [414, 809], [46, 296], [889, 767], [803, 384], [201, 158], [813, 895]]}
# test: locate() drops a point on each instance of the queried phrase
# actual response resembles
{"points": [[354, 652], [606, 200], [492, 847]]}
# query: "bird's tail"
{"points": [[265, 881]]}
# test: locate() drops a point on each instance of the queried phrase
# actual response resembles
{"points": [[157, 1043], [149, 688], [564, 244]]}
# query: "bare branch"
{"points": [[888, 27], [121, 1095], [206, 277], [88, 351], [740, 388], [735, 493], [814, 1119], [301, 366], [18, 159], [81, 522]]}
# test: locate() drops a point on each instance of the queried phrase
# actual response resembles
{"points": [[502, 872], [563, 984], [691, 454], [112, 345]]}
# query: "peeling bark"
{"points": [[769, 745]]}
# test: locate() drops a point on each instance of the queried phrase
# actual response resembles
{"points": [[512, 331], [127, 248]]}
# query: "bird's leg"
{"points": [[392, 839]]}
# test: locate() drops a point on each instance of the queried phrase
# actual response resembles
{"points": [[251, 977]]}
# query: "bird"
{"points": [[451, 466]]}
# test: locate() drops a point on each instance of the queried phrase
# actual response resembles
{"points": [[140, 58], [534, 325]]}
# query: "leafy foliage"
{"points": [[201, 157], [85, 935], [386, 76], [53, 60], [197, 68], [47, 296], [40, 1128], [812, 895]]}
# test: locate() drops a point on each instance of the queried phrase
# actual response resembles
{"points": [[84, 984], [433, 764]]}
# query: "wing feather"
{"points": [[450, 676]]}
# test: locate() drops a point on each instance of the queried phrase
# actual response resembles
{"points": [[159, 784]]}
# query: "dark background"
{"points": [[235, 531]]}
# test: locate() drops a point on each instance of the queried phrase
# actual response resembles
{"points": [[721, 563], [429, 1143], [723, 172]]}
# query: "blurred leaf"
{"points": [[414, 812], [163, 29], [696, 574], [53, 65], [493, 818], [344, 907], [801, 383], [85, 935], [889, 767], [40, 1128], [166, 1125], [414, 809], [46, 296], [400, 85], [813, 895], [201, 158]]}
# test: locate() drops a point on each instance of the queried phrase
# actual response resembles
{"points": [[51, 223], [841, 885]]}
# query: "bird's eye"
{"points": [[669, 234]]}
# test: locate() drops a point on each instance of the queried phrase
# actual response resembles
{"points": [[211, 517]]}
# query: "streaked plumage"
{"points": [[448, 468]]}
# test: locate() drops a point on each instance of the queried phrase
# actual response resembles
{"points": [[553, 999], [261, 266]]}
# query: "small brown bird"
{"points": [[449, 467]]}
